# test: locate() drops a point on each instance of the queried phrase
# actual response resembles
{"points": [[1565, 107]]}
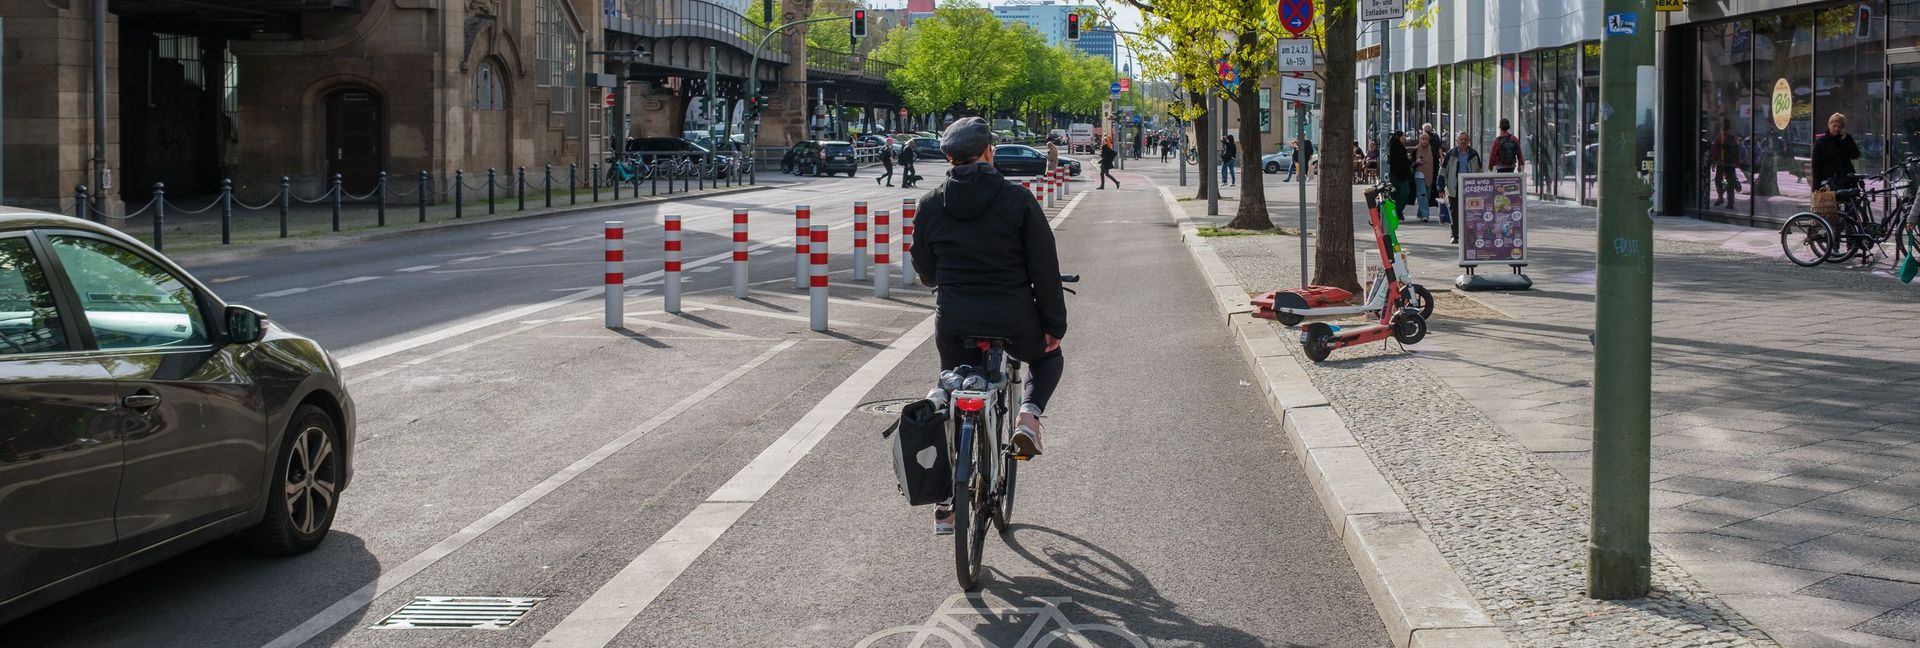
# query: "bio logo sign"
{"points": [[1782, 104]]}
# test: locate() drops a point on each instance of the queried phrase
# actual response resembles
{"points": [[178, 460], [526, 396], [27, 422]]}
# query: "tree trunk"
{"points": [[1333, 253], [1203, 140], [1252, 214]]}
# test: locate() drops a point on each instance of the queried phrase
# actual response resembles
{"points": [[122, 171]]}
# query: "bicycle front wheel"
{"points": [[968, 532], [1008, 473], [1806, 239]]}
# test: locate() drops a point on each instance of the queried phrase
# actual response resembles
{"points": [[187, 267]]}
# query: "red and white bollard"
{"points": [[1049, 188], [908, 208], [860, 240], [671, 288], [740, 256], [1028, 185], [616, 278], [801, 215], [882, 264], [817, 284]]}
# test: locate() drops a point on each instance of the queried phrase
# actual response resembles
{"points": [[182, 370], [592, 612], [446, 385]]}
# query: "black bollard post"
{"points": [[80, 207], [573, 183], [549, 185], [286, 195], [336, 202], [596, 182], [159, 215], [616, 187], [520, 187], [226, 211], [459, 190], [422, 196], [489, 191], [381, 189], [653, 183]]}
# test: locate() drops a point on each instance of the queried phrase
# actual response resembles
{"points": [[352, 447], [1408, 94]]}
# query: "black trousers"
{"points": [[1013, 319]]}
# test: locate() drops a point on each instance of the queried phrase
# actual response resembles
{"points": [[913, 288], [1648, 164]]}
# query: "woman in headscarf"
{"points": [[1400, 169]]}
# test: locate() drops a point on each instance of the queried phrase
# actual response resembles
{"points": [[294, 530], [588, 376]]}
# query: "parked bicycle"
{"points": [[984, 402], [1810, 239]]}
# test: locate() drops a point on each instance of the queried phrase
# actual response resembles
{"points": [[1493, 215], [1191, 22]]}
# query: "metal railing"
{"points": [[693, 19], [286, 214], [847, 63]]}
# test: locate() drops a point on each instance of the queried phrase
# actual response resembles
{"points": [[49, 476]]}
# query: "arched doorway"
{"points": [[356, 138]]}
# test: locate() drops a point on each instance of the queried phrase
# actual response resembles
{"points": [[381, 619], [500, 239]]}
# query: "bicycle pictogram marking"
{"points": [[945, 625]]}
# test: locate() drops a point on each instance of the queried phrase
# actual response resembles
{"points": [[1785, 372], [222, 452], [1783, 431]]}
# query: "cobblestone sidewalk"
{"points": [[1787, 463]]}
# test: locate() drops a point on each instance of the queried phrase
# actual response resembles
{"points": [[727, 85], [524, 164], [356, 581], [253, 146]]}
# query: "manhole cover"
{"points": [[889, 407], [483, 612]]}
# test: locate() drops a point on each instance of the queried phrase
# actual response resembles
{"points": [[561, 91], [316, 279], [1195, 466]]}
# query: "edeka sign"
{"points": [[1493, 217]]}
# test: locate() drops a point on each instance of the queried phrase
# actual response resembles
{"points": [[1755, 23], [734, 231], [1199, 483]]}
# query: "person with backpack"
{"points": [[886, 162], [1229, 154], [1107, 158], [1506, 157]]}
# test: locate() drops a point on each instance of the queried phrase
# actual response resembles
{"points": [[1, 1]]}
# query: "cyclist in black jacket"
{"points": [[986, 244]]}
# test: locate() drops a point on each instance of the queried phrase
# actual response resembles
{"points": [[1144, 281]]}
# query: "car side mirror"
{"points": [[245, 325]]}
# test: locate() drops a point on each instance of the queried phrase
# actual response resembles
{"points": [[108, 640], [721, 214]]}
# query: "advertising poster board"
{"points": [[1493, 219]]}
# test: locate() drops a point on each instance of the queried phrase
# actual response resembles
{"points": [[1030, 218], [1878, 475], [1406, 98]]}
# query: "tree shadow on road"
{"points": [[1105, 588]]}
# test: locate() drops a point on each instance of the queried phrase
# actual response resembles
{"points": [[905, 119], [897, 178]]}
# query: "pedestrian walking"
{"points": [[1505, 154], [1293, 159], [886, 162], [1400, 170], [1229, 154], [1461, 159], [907, 177], [1166, 148], [1724, 156], [1053, 153], [1439, 147], [1833, 156], [1107, 156], [1424, 163]]}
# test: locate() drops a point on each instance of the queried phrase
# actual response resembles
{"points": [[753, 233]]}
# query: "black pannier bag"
{"points": [[920, 458]]}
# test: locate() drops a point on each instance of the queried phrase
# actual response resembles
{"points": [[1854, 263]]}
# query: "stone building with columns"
{"points": [[254, 90]]}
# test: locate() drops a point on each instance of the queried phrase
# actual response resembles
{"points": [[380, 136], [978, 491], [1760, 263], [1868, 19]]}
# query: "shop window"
{"points": [[1783, 121], [1850, 77], [1727, 115]]}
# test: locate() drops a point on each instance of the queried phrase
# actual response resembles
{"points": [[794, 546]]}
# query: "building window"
{"points": [[558, 61], [230, 94], [488, 94], [185, 51], [1266, 110]]}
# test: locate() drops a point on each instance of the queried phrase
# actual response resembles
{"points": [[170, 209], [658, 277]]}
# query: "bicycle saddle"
{"points": [[1846, 194]]}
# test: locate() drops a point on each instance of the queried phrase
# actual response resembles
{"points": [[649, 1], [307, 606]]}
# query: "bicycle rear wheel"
{"points": [[1806, 239], [969, 521]]}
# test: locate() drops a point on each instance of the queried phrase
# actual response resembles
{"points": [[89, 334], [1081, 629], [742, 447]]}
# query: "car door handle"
{"points": [[141, 401]]}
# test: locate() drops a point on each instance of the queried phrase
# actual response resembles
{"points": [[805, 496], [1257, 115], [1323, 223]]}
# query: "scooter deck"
{"points": [[1314, 296]]}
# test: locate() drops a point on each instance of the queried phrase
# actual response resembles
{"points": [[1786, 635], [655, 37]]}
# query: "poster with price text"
{"points": [[1493, 219]]}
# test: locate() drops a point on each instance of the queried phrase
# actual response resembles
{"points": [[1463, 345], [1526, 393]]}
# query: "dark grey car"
{"points": [[141, 416]]}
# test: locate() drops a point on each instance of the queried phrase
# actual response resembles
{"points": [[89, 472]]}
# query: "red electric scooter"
{"points": [[1403, 306]]}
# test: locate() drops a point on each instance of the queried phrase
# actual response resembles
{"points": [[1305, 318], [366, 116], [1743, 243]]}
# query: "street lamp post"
{"points": [[753, 78]]}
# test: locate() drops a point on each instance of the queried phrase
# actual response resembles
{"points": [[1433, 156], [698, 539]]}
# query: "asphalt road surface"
{"points": [[711, 479]]}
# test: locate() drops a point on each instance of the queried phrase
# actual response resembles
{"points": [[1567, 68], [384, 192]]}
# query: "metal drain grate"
{"points": [[889, 407], [482, 612]]}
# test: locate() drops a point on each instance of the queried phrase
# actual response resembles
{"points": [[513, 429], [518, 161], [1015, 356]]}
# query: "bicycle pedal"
{"points": [[1021, 457]]}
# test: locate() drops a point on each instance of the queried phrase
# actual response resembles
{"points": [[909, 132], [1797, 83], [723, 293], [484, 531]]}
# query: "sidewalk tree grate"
{"points": [[460, 612], [888, 407]]}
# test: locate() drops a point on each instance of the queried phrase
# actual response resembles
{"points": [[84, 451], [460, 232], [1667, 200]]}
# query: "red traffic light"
{"points": [[859, 23], [1073, 26]]}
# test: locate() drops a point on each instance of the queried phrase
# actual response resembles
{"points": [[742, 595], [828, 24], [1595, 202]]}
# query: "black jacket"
{"points": [[1107, 155], [1833, 159], [986, 243]]}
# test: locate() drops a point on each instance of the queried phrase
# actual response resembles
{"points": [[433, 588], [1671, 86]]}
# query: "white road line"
{"points": [[523, 267], [572, 241], [360, 598], [471, 259], [603, 615], [355, 280], [796, 318], [281, 293], [598, 620], [642, 325], [417, 268]]}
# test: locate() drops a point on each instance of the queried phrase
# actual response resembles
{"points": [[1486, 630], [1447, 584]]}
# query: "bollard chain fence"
{"points": [[226, 216]]}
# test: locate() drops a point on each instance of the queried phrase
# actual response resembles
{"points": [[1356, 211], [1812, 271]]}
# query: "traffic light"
{"points": [[1073, 26], [859, 23]]}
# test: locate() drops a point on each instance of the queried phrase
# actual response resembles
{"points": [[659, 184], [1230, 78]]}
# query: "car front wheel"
{"points": [[305, 492], [1273, 167]]}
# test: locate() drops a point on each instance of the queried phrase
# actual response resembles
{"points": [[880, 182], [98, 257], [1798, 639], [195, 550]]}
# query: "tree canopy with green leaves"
{"points": [[965, 57]]}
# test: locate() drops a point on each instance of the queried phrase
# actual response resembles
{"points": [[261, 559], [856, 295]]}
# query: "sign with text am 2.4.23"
{"points": [[1493, 219]]}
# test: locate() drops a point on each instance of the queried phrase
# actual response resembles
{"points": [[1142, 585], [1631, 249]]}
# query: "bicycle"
{"points": [[626, 169], [943, 624], [983, 407], [1809, 239]]}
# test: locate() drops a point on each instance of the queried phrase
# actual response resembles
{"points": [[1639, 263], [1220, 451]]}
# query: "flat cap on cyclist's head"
{"points": [[966, 138]]}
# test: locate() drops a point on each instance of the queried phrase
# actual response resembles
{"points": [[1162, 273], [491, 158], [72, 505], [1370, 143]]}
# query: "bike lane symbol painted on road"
{"points": [[949, 627]]}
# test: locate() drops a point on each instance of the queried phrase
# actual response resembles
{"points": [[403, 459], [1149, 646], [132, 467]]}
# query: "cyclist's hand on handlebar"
{"points": [[1053, 344]]}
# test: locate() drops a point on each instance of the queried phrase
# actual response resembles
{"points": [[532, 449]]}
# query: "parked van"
{"points": [[1080, 134]]}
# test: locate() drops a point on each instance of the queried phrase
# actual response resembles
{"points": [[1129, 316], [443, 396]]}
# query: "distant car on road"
{"points": [[1019, 159], [1277, 162], [820, 158], [926, 148], [142, 416]]}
